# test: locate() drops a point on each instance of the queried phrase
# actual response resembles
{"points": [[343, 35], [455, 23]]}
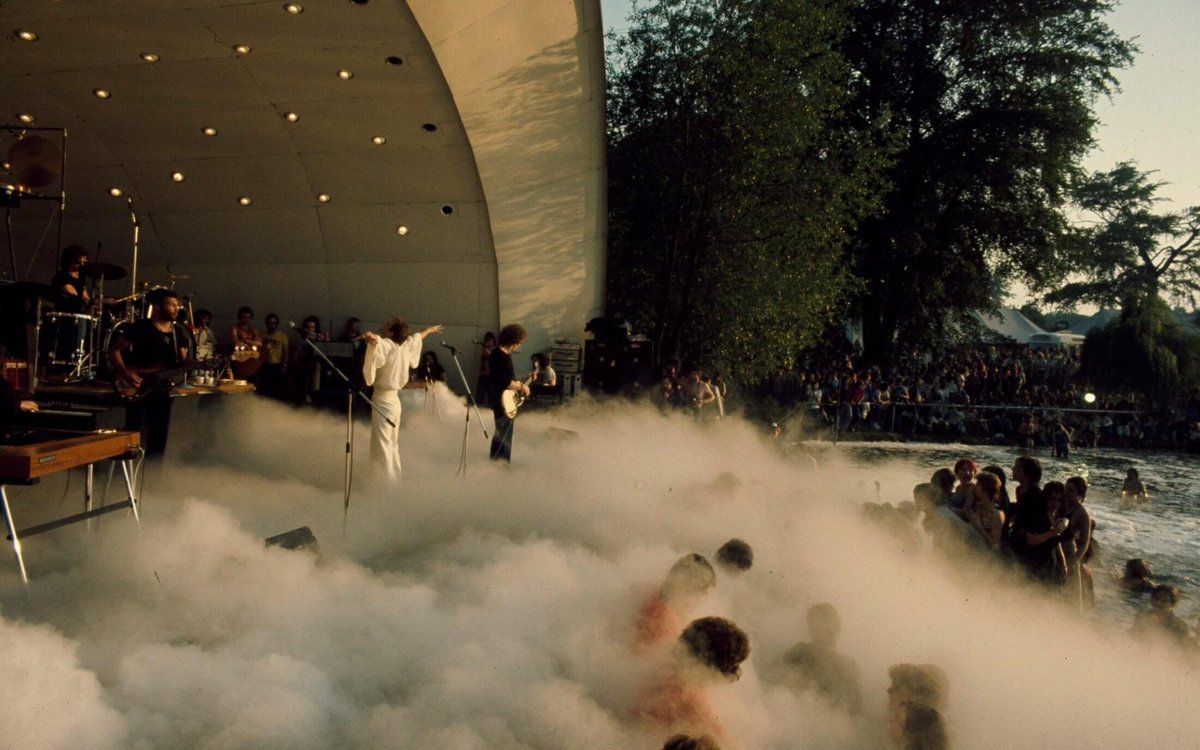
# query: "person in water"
{"points": [[1133, 492], [710, 651], [1160, 619], [735, 557], [817, 666], [661, 616], [1138, 577]]}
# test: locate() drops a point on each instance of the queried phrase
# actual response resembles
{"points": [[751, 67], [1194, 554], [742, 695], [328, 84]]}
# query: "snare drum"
{"points": [[66, 338]]}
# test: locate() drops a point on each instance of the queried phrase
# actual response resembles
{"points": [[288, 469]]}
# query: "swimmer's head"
{"points": [[1132, 473], [925, 684], [914, 726], [736, 556], [690, 576], [944, 480], [987, 485], [1077, 488], [998, 472], [1053, 492], [683, 742], [1027, 469], [1164, 596], [926, 496], [965, 469], [824, 624], [718, 644], [1137, 568]]}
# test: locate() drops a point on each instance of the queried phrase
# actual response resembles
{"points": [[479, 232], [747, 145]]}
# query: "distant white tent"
{"points": [[1009, 323]]}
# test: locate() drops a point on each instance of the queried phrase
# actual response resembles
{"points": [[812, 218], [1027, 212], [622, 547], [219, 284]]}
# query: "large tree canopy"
{"points": [[734, 178], [1145, 351], [1124, 247], [988, 107]]}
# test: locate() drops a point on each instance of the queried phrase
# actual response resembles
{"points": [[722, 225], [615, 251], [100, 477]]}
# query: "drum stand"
{"points": [[462, 461], [351, 390]]}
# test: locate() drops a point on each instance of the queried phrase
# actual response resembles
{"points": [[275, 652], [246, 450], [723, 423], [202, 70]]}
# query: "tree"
{"points": [[988, 109], [1145, 350], [734, 179], [1127, 249]]}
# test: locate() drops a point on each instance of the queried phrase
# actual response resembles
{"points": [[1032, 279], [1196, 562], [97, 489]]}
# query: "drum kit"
{"points": [[72, 346]]}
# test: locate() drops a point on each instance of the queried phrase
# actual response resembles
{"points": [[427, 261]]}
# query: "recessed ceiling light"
{"points": [[178, 176], [379, 140], [116, 192], [447, 210], [27, 36], [209, 131], [429, 127], [294, 8], [291, 116], [6, 166], [394, 60], [401, 230], [345, 75], [323, 198], [360, 2], [26, 118], [149, 57], [242, 49], [101, 93], [245, 200]]}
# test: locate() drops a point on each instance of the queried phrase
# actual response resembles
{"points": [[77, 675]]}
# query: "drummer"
{"points": [[70, 290]]}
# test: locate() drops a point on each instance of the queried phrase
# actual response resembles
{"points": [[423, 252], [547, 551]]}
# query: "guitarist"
{"points": [[140, 358], [503, 378]]}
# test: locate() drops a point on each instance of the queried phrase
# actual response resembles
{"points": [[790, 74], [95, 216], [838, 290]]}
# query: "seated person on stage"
{"points": [[243, 333], [708, 652], [543, 380], [11, 404], [352, 332], [661, 616], [70, 290], [818, 667], [430, 370], [146, 358]]}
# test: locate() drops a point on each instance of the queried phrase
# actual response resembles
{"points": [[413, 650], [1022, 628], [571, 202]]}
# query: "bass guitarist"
{"points": [[503, 379], [145, 358]]}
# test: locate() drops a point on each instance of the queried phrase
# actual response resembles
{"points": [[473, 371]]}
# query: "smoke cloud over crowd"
{"points": [[498, 610]]}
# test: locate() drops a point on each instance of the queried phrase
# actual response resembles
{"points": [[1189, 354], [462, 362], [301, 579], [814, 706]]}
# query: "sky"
{"points": [[1153, 120]]}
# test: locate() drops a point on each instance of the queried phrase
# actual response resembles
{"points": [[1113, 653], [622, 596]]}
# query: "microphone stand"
{"points": [[351, 390], [462, 462]]}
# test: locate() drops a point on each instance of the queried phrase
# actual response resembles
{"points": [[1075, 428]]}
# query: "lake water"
{"points": [[1165, 532]]}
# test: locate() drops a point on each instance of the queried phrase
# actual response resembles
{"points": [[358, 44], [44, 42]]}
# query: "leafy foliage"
{"points": [[734, 178], [1145, 350], [1126, 248], [988, 107]]}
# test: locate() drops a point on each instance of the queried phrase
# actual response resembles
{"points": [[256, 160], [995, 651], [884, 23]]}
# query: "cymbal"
{"points": [[30, 289], [103, 271]]}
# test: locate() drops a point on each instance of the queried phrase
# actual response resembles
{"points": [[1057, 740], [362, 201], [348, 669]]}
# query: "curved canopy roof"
{"points": [[341, 179]]}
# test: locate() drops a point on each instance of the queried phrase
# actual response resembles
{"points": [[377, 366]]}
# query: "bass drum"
{"points": [[66, 340]]}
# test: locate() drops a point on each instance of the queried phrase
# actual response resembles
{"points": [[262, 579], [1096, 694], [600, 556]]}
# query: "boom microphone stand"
{"points": [[462, 462], [351, 390]]}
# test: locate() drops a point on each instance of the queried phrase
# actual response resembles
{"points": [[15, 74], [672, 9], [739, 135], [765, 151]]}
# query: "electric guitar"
{"points": [[511, 402], [154, 378]]}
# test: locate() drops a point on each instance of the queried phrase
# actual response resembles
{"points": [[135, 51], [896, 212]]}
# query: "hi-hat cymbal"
{"points": [[103, 271]]}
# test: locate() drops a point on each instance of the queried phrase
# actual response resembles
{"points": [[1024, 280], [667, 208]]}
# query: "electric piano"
{"points": [[27, 455]]}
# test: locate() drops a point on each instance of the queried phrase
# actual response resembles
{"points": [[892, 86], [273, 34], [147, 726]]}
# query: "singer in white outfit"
{"points": [[390, 355]]}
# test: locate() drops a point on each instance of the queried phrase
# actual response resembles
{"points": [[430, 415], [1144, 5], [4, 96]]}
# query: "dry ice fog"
{"points": [[499, 610]]}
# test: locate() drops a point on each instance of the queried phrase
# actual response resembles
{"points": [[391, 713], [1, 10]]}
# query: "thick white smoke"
{"points": [[498, 610]]}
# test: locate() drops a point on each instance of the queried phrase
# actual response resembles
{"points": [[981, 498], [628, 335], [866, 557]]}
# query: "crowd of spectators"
{"points": [[1010, 393]]}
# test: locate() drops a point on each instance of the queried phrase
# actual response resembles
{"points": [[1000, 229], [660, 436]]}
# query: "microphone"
{"points": [[451, 348]]}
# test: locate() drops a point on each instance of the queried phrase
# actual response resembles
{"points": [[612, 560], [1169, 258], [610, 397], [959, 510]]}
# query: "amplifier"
{"points": [[567, 358]]}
